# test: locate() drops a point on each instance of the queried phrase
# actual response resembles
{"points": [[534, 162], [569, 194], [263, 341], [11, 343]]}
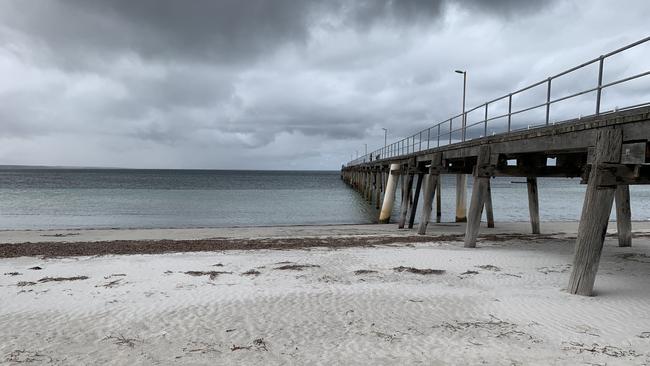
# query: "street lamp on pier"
{"points": [[464, 91]]}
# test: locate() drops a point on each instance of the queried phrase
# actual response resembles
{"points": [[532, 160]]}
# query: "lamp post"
{"points": [[461, 179], [464, 90], [385, 136], [365, 146]]}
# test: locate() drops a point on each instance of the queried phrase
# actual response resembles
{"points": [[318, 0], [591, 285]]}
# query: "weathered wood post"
{"points": [[389, 194], [623, 215], [368, 190], [595, 211], [378, 188], [489, 213], [416, 198], [429, 190], [461, 198], [479, 193], [533, 203], [407, 196], [439, 200]]}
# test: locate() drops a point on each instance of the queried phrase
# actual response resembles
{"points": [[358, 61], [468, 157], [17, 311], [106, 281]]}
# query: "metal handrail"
{"points": [[443, 135]]}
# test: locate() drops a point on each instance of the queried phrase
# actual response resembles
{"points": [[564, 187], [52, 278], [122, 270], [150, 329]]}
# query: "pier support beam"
{"points": [[407, 197], [431, 184], [595, 212], [489, 213], [416, 198], [623, 215], [378, 188], [389, 194], [368, 188], [461, 198], [479, 193], [439, 201], [533, 203]]}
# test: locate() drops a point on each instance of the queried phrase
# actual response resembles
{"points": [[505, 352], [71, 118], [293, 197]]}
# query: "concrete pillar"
{"points": [[389, 194], [623, 215], [461, 198]]}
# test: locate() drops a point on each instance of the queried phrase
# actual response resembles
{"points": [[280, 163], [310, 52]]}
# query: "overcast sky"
{"points": [[273, 84]]}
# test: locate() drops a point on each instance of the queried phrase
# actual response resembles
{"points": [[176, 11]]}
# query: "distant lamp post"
{"points": [[365, 146], [385, 136], [464, 91]]}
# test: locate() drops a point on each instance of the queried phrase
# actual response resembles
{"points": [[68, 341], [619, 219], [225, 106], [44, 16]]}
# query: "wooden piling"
{"points": [[623, 215], [595, 212], [407, 195], [461, 198], [389, 194], [479, 193], [378, 189], [416, 198], [431, 183], [439, 200], [533, 203], [489, 213]]}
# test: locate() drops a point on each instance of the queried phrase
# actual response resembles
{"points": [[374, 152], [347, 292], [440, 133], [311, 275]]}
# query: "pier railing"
{"points": [[497, 116]]}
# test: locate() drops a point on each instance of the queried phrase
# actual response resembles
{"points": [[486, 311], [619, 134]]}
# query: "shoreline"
{"points": [[98, 242]]}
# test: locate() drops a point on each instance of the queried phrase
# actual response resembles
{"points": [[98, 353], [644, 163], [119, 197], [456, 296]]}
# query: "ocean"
{"points": [[56, 198]]}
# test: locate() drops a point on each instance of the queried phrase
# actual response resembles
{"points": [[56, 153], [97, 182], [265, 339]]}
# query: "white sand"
{"points": [[156, 314]]}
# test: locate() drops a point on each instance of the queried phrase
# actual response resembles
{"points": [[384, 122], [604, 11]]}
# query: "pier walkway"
{"points": [[515, 135]]}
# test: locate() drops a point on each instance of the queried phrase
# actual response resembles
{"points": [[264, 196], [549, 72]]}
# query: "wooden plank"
{"points": [[533, 204], [623, 215], [416, 197], [595, 216]]}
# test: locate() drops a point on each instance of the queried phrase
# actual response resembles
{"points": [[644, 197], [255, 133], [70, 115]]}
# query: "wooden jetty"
{"points": [[609, 150]]}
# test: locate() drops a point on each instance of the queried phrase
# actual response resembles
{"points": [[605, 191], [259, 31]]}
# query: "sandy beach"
{"points": [[388, 301]]}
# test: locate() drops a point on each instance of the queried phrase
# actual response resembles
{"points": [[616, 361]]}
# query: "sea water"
{"points": [[55, 198]]}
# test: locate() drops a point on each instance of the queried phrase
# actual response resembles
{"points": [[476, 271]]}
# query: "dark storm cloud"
{"points": [[207, 30], [198, 83]]}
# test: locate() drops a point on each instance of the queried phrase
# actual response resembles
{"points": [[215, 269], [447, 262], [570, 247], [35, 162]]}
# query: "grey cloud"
{"points": [[197, 83]]}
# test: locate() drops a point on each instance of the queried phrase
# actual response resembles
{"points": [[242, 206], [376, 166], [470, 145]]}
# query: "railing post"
{"points": [[450, 129], [548, 101], [509, 111], [428, 137], [464, 128], [420, 147], [486, 118], [438, 135], [600, 83]]}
